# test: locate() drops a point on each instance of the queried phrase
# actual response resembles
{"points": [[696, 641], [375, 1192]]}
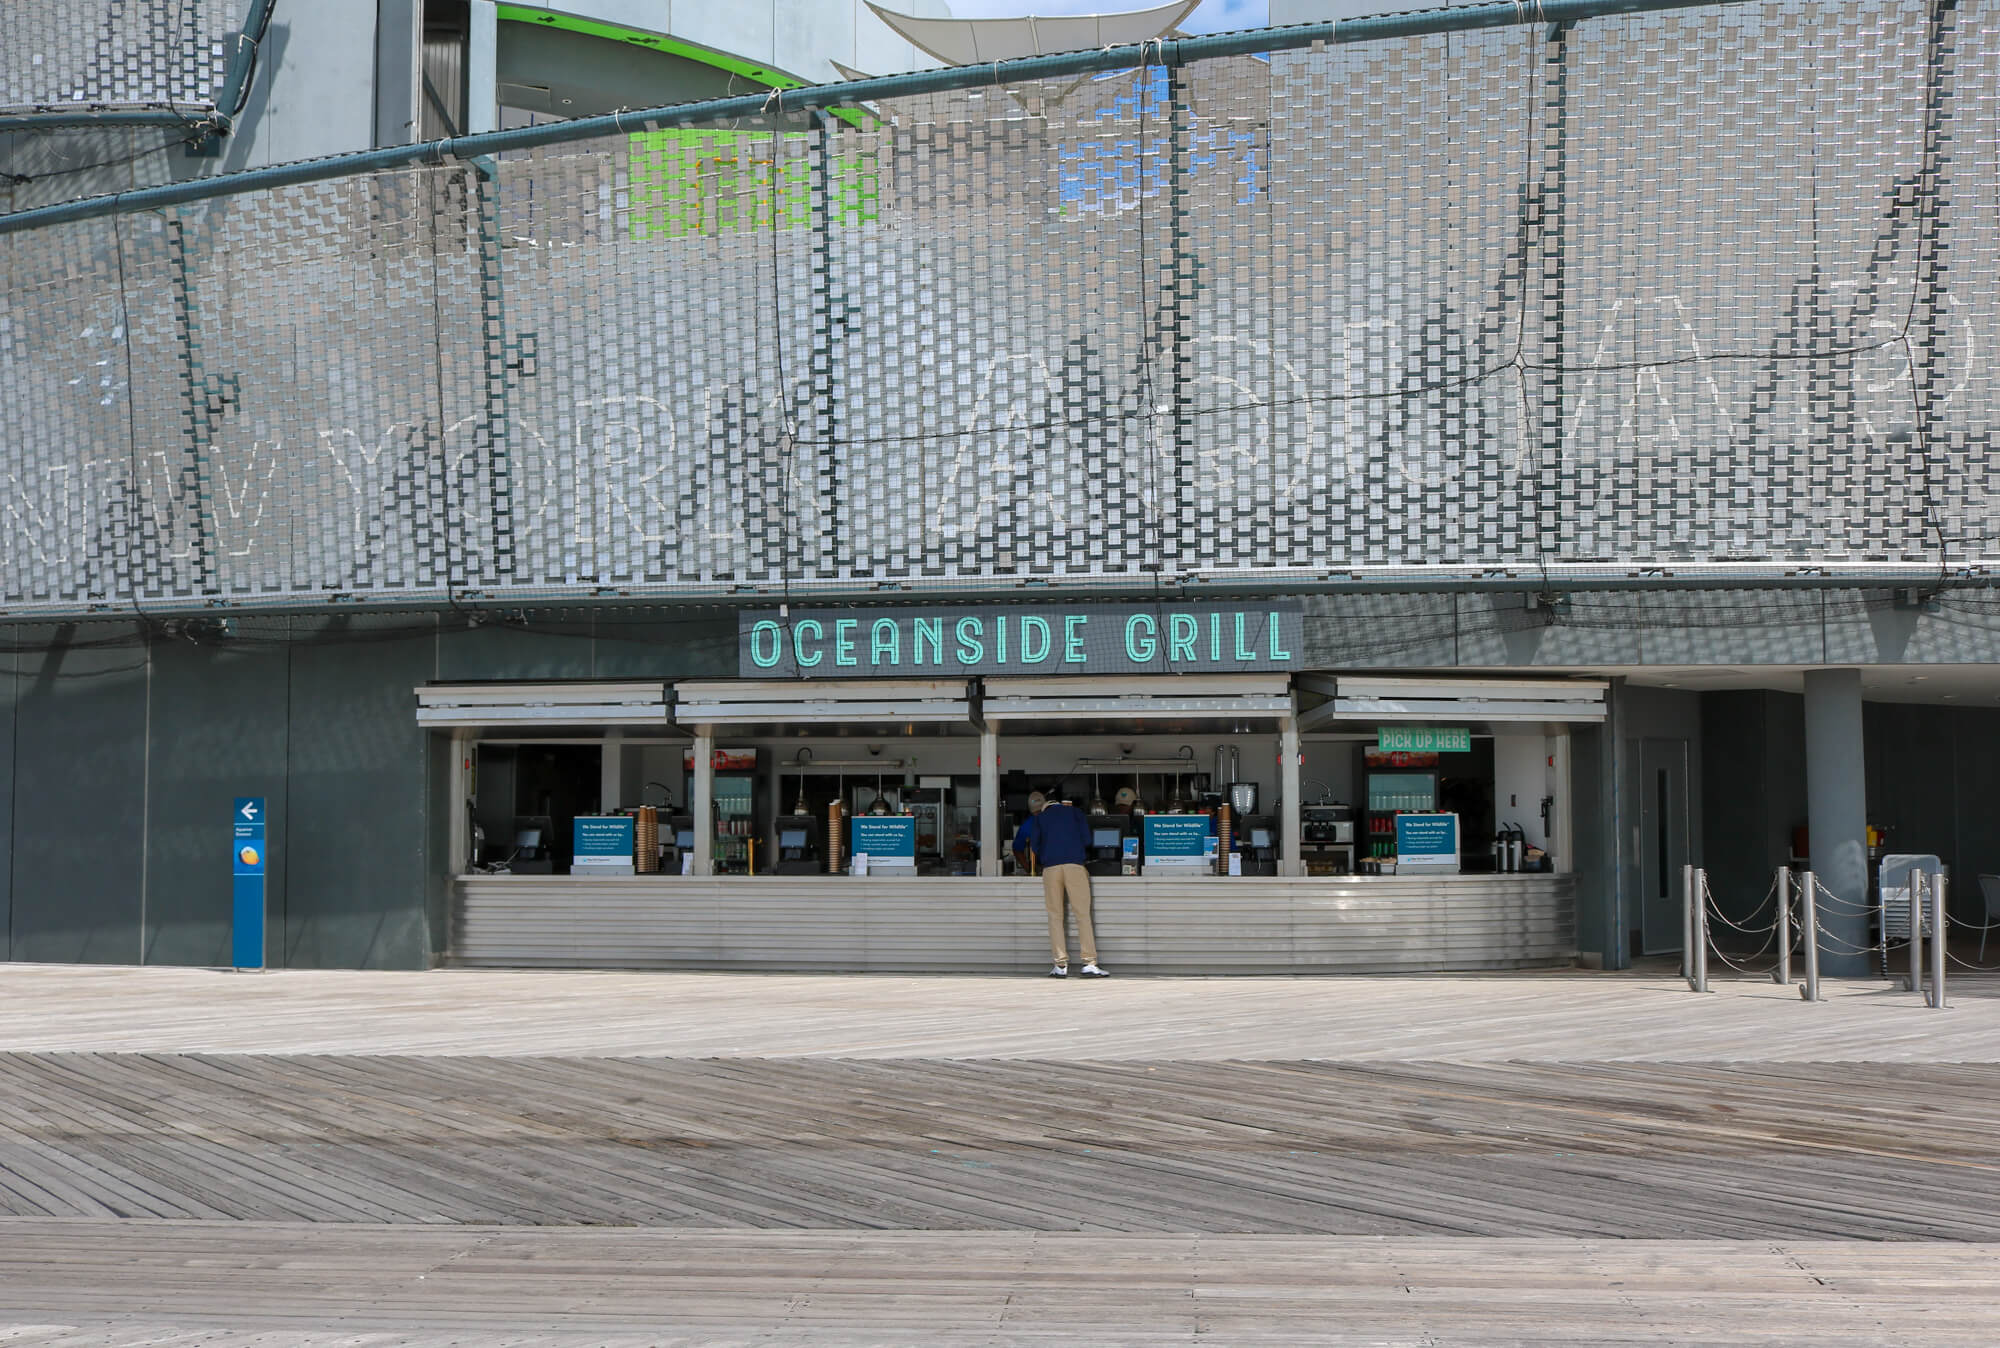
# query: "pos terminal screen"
{"points": [[1105, 837], [792, 837]]}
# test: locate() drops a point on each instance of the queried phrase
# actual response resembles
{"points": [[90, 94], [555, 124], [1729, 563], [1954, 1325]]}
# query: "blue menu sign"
{"points": [[248, 860], [884, 835], [1176, 835]]}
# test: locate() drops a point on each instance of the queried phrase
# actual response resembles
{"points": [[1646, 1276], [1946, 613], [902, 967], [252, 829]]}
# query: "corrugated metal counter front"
{"points": [[1260, 925]]}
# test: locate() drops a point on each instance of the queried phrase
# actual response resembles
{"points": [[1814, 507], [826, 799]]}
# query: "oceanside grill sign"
{"points": [[854, 643]]}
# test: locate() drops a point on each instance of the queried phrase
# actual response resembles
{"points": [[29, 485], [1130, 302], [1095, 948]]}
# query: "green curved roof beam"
{"points": [[768, 77]]}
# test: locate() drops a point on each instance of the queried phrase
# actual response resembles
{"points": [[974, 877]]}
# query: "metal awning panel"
{"points": [[1263, 697], [1465, 700], [542, 704], [851, 702], [1376, 708]]}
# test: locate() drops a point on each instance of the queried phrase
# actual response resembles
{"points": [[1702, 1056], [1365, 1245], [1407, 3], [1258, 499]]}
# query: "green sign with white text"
{"points": [[1254, 636], [1406, 739]]}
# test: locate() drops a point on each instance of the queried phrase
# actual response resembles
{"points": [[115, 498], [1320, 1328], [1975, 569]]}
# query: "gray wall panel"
{"points": [[700, 646], [80, 811], [549, 649], [355, 868], [7, 760], [1592, 773], [1977, 775], [219, 730]]}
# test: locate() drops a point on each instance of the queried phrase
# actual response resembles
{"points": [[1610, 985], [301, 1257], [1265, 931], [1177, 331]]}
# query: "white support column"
{"points": [[462, 788], [482, 69], [989, 801], [611, 772], [1292, 837], [703, 804]]}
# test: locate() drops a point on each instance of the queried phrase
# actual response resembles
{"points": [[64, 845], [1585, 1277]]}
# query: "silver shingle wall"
{"points": [[1710, 285], [81, 53]]}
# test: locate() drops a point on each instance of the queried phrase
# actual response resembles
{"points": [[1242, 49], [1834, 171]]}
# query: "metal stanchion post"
{"points": [[1687, 927], [1918, 879], [1938, 932], [1698, 882], [1783, 887], [1809, 928]]}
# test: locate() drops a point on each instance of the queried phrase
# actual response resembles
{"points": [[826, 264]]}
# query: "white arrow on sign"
{"points": [[249, 809]]}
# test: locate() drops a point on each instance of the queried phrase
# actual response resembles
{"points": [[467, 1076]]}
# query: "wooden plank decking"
{"points": [[464, 1157]]}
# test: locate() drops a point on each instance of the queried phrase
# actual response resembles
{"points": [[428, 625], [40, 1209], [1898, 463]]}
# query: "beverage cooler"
{"points": [[1390, 792]]}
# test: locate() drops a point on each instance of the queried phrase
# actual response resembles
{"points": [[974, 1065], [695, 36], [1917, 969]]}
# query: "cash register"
{"points": [[801, 845], [1258, 834], [1107, 843]]}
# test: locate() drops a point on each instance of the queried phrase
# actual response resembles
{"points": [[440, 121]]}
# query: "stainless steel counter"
{"points": [[1248, 925]]}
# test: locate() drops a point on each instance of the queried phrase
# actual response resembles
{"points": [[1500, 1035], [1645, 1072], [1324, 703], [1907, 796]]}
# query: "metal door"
{"points": [[1663, 842]]}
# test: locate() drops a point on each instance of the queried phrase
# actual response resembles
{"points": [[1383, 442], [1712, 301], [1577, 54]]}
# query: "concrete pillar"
{"points": [[482, 69], [1837, 815], [989, 801], [610, 773], [702, 807], [1291, 836]]}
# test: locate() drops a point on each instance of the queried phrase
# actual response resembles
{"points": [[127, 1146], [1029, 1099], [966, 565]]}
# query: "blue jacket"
{"points": [[1059, 835]]}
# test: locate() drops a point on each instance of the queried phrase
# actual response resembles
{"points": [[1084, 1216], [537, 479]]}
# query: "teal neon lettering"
{"points": [[1277, 653], [970, 649], [1215, 638], [1000, 639], [1073, 639], [1181, 632], [1243, 652], [799, 643], [843, 640], [1140, 650], [876, 645], [766, 628], [922, 629], [1030, 626]]}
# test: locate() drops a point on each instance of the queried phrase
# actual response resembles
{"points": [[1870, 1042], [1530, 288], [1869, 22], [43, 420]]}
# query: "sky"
{"points": [[1214, 16]]}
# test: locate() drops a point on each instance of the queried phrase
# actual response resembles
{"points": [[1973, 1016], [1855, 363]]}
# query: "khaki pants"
{"points": [[1075, 880]]}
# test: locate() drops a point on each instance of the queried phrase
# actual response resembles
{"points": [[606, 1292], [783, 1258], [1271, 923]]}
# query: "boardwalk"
{"points": [[546, 1158]]}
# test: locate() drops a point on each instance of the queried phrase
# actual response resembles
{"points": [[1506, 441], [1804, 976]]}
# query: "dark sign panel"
{"points": [[917, 642]]}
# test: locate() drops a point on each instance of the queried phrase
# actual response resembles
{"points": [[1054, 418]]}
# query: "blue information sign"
{"points": [[248, 859], [1426, 837], [884, 835], [1177, 835], [603, 835]]}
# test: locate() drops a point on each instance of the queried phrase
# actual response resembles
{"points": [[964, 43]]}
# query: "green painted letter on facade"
{"points": [[971, 650], [1073, 639], [893, 645], [799, 643], [1140, 650], [1030, 625]]}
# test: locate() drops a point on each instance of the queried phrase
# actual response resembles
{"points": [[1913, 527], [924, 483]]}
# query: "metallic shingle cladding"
{"points": [[76, 54], [1706, 285]]}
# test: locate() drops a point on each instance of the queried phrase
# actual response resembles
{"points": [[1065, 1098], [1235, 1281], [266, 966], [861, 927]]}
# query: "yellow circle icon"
{"points": [[249, 856]]}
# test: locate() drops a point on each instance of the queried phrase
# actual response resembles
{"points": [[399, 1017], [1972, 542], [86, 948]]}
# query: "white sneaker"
{"points": [[1092, 971], [1060, 971]]}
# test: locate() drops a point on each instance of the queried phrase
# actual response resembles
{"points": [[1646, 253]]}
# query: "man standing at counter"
{"points": [[1059, 836]]}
